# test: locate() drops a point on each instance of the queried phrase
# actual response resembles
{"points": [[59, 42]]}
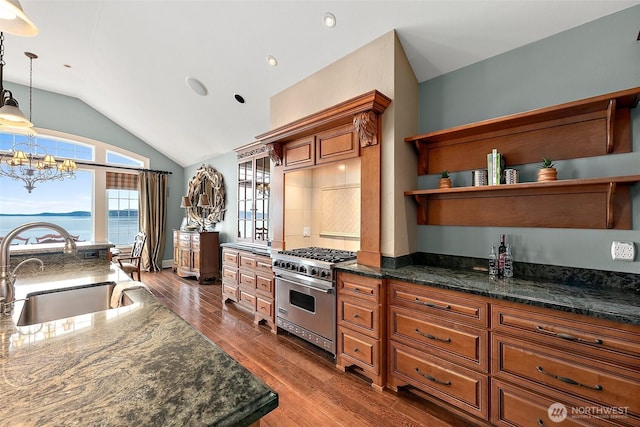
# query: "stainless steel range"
{"points": [[305, 293]]}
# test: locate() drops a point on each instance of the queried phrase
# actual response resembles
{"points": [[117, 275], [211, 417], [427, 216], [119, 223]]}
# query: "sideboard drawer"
{"points": [[457, 342], [230, 257], [359, 315], [524, 363], [264, 307], [441, 303], [459, 386], [359, 286], [585, 335], [229, 274], [248, 280], [247, 261]]}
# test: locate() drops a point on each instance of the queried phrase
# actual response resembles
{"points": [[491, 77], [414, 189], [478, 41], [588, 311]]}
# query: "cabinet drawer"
{"points": [[446, 304], [195, 237], [264, 285], [230, 257], [195, 246], [588, 336], [230, 274], [247, 279], [459, 386], [525, 363], [185, 237], [246, 299], [337, 144], [264, 307], [185, 244], [513, 406], [356, 314], [247, 261], [299, 153], [456, 342], [359, 348], [359, 286], [263, 265], [229, 291]]}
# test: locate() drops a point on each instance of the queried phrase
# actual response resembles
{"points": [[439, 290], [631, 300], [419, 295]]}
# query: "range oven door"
{"points": [[300, 303]]}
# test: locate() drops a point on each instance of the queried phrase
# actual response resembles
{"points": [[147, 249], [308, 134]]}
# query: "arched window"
{"points": [[86, 206]]}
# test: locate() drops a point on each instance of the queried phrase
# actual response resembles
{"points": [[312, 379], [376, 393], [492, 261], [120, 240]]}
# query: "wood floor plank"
{"points": [[311, 390]]}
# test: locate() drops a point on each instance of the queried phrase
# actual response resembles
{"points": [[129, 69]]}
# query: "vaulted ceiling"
{"points": [[129, 59]]}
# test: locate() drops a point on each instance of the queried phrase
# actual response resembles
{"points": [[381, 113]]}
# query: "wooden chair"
{"points": [[54, 238], [24, 240], [130, 264]]}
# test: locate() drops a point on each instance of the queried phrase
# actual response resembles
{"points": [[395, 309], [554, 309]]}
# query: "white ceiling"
{"points": [[129, 59]]}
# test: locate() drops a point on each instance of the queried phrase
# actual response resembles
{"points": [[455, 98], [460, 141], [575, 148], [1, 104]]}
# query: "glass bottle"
{"points": [[493, 263], [502, 249], [508, 262]]}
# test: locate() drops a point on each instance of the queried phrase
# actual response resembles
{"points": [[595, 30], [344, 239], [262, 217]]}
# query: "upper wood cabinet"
{"points": [[254, 190], [352, 128], [590, 127]]}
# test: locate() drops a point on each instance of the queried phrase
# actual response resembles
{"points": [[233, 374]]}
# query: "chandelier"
{"points": [[27, 161]]}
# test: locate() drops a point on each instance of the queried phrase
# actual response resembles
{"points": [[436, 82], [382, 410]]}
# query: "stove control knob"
{"points": [[323, 273], [314, 272], [302, 269]]}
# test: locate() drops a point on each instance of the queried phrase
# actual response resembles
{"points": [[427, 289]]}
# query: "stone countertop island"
{"points": [[140, 365]]}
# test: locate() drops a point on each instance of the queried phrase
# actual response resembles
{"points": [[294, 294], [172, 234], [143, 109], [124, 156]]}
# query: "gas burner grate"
{"points": [[321, 254]]}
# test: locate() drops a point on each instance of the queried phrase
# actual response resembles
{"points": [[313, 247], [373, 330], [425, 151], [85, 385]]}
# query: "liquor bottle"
{"points": [[502, 249], [508, 263], [493, 263]]}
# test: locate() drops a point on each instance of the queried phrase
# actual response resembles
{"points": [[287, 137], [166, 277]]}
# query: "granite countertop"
{"points": [[42, 248], [258, 250], [600, 301], [140, 364]]}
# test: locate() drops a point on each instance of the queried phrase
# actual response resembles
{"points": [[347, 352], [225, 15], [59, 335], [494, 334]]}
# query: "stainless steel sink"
{"points": [[45, 306]]}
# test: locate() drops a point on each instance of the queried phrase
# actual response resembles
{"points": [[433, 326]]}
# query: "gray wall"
{"points": [[71, 115], [596, 58]]}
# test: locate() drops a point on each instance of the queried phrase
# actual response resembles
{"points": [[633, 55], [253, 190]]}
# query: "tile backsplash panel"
{"points": [[303, 205]]}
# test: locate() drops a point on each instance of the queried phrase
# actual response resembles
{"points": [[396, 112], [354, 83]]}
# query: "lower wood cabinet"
{"points": [[512, 364], [247, 279], [361, 333], [438, 343]]}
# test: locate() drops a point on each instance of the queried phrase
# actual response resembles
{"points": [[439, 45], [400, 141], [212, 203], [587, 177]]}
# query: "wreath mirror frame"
{"points": [[207, 181]]}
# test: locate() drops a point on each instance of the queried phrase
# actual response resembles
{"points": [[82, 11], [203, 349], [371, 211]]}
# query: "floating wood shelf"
{"points": [[590, 127], [593, 203]]}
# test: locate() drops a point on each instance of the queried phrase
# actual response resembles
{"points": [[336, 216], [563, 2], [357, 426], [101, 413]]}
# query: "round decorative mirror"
{"points": [[206, 193]]}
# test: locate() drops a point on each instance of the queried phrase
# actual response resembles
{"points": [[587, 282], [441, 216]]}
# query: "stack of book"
{"points": [[494, 167]]}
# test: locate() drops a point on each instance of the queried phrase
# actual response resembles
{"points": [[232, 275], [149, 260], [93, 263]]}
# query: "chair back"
{"points": [[138, 244]]}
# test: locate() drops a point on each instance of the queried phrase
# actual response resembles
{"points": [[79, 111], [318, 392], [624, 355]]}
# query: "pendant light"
{"points": [[14, 21], [10, 114]]}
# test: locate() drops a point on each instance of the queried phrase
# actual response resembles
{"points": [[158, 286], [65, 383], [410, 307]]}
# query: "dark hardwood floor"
{"points": [[312, 391]]}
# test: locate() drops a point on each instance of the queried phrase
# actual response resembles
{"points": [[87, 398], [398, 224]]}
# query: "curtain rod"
{"points": [[123, 167]]}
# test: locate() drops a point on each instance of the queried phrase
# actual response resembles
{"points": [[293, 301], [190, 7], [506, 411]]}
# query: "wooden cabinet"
{"points": [[361, 326], [589, 127], [584, 362], [438, 343], [197, 254], [248, 280], [254, 194]]}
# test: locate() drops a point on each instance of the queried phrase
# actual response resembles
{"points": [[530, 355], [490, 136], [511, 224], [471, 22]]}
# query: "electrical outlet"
{"points": [[306, 232], [623, 251]]}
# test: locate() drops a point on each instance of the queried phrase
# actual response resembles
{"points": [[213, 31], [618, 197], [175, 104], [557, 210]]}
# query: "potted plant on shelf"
{"points": [[547, 171], [445, 181]]}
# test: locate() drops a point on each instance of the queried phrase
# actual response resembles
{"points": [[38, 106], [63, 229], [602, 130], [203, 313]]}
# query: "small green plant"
{"points": [[444, 174], [546, 163]]}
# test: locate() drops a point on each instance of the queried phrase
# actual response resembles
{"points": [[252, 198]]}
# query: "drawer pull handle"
{"points": [[432, 337], [433, 379], [568, 336], [355, 349], [355, 315], [432, 305], [568, 380], [361, 291], [540, 422]]}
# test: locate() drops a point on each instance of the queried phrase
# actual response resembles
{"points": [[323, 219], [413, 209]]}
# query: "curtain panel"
{"points": [[152, 215]]}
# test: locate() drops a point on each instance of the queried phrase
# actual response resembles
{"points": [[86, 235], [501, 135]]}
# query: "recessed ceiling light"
{"points": [[271, 60], [197, 86], [329, 20], [238, 98], [66, 65]]}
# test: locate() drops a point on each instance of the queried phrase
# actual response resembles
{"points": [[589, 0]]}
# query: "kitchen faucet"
{"points": [[7, 277]]}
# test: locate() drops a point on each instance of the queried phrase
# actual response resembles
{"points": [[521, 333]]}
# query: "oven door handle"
{"points": [[304, 284]]}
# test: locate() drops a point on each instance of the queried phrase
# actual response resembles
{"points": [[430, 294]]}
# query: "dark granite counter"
{"points": [[258, 250], [140, 364], [597, 300]]}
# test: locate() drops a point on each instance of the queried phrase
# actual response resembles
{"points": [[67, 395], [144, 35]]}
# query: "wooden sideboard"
{"points": [[196, 254]]}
